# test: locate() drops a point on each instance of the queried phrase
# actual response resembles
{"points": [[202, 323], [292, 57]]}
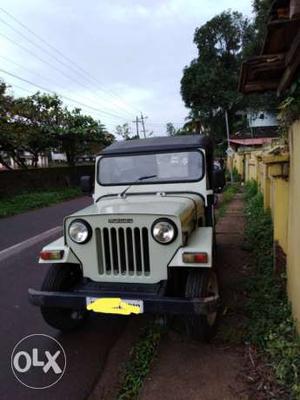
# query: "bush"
{"points": [[271, 327], [251, 188], [35, 199], [227, 196], [235, 175]]}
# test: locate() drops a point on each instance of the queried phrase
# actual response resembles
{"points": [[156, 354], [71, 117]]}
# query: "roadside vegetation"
{"points": [[31, 200], [138, 365], [270, 327], [226, 197]]}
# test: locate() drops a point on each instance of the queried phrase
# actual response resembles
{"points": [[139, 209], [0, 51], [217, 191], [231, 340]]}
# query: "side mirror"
{"points": [[219, 180], [86, 184]]}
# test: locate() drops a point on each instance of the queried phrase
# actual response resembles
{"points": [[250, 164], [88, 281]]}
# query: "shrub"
{"points": [[271, 326]]}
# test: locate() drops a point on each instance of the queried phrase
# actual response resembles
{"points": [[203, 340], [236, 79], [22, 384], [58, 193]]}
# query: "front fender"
{"points": [[59, 244], [201, 240]]}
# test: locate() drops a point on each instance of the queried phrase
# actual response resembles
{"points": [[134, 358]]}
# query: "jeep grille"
{"points": [[123, 251]]}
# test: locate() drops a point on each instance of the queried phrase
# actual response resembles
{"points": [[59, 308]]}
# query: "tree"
{"points": [[261, 9], [8, 138], [35, 120], [125, 132], [209, 84], [80, 134], [40, 123], [170, 129], [267, 101], [184, 130]]}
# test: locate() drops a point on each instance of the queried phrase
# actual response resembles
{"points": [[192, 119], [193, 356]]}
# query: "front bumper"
{"points": [[153, 303]]}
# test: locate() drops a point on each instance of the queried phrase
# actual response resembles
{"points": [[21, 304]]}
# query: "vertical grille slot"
{"points": [[146, 250], [138, 252], [114, 246], [107, 250], [130, 250], [99, 251], [123, 250]]}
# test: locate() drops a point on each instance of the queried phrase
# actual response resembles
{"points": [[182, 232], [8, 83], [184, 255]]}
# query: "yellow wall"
{"points": [[293, 253], [238, 163], [279, 200], [278, 177]]}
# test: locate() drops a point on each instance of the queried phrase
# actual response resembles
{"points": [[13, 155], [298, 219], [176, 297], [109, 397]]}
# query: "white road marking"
{"points": [[17, 248]]}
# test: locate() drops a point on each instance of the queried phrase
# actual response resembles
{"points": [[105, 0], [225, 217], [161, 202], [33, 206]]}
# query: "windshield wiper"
{"points": [[141, 178]]}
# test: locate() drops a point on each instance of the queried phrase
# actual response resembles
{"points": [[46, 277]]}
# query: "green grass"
{"points": [[36, 199], [227, 196], [138, 365], [271, 327]]}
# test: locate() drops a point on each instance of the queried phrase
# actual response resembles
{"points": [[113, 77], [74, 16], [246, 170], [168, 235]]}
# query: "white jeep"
{"points": [[145, 245]]}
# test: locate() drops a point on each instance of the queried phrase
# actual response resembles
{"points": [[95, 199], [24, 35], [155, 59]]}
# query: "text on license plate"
{"points": [[115, 305]]}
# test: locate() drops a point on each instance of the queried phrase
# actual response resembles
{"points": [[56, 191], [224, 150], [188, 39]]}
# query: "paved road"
{"points": [[86, 350], [23, 226]]}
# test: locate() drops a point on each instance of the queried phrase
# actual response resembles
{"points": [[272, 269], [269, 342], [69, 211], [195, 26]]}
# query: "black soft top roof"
{"points": [[160, 143]]}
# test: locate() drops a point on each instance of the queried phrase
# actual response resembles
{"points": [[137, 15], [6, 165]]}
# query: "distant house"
{"points": [[262, 129], [243, 143], [261, 119], [27, 159], [58, 157]]}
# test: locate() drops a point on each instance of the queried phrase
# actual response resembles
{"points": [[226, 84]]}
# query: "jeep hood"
{"points": [[186, 207]]}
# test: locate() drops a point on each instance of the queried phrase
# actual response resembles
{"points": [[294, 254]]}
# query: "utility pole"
{"points": [[136, 122], [143, 124], [228, 143]]}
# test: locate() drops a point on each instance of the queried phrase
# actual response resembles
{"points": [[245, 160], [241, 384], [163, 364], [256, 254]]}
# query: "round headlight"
{"points": [[164, 231], [80, 231]]}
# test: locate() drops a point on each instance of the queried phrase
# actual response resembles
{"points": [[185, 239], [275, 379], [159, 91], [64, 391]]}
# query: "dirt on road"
{"points": [[188, 370]]}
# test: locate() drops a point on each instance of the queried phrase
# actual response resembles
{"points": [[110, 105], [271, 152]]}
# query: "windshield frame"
{"points": [[145, 182]]}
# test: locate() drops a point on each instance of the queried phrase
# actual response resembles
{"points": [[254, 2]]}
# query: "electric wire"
{"points": [[62, 96], [47, 63], [109, 125], [70, 61]]}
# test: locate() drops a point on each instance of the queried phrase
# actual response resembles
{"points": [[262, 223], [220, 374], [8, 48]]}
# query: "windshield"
{"points": [[159, 168]]}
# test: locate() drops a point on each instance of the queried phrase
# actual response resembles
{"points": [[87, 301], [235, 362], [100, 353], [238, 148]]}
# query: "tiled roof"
{"points": [[251, 141]]}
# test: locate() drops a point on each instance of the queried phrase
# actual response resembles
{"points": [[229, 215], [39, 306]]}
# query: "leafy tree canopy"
{"points": [[125, 132], [209, 85], [40, 123], [210, 81]]}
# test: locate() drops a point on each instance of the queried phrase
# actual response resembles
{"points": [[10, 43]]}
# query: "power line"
{"points": [[22, 66], [49, 54], [45, 62], [110, 125], [27, 69], [62, 96], [165, 123], [54, 49]]}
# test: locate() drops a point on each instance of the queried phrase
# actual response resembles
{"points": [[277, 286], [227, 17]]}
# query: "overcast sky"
{"points": [[122, 56]]}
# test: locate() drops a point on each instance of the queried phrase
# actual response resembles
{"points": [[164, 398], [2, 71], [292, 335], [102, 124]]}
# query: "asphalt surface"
{"points": [[86, 350], [23, 226]]}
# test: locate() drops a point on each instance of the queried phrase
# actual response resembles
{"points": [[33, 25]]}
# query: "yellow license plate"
{"points": [[115, 305]]}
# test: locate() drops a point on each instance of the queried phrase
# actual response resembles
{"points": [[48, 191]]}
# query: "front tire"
{"points": [[201, 284], [63, 277]]}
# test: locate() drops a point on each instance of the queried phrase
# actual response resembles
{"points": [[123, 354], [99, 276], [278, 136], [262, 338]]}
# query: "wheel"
{"points": [[62, 277], [201, 284]]}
